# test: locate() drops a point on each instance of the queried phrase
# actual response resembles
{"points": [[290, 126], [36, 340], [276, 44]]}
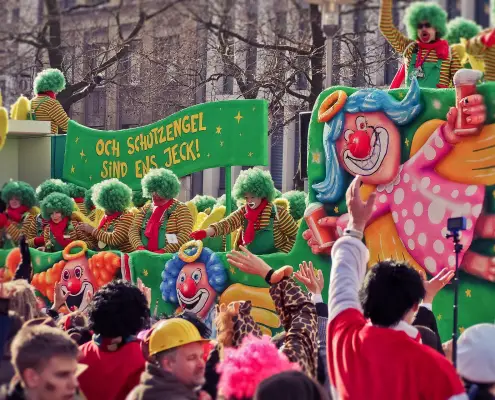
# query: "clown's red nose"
{"points": [[188, 288], [74, 285], [359, 144]]}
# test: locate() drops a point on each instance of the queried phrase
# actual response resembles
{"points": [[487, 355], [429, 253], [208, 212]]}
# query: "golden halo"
{"points": [[189, 245], [78, 243], [332, 105]]}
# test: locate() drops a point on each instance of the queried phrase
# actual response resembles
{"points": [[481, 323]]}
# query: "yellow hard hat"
{"points": [[173, 332]]}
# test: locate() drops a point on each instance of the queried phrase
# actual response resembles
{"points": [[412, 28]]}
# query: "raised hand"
{"points": [[59, 297], [248, 262], [437, 283], [359, 211], [307, 276]]}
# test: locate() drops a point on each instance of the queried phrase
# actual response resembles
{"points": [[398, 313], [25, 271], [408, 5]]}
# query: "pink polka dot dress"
{"points": [[421, 202]]}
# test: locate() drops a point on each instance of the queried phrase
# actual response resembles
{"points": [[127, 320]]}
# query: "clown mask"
{"points": [[252, 201], [370, 147], [193, 290], [77, 282]]}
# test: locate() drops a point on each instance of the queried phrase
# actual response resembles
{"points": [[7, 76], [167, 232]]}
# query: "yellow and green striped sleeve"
{"points": [[396, 38], [229, 224], [120, 235]]}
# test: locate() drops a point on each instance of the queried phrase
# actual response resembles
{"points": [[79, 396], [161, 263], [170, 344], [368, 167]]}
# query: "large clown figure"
{"points": [[164, 225], [193, 279], [264, 227], [427, 56], [361, 136]]}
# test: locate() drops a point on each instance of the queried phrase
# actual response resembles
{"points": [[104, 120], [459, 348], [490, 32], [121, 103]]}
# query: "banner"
{"points": [[210, 135]]}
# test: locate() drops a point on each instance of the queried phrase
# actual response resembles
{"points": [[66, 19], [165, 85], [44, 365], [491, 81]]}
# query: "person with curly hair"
{"points": [[427, 56], [38, 224], [112, 233], [165, 224], [77, 193], [204, 203], [45, 106], [62, 228], [459, 31], [264, 227], [297, 203], [117, 312], [138, 200], [18, 218]]}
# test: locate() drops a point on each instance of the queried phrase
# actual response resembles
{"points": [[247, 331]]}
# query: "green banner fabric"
{"points": [[210, 135]]}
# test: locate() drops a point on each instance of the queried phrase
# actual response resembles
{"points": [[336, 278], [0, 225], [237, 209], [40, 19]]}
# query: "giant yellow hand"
{"points": [[263, 311]]}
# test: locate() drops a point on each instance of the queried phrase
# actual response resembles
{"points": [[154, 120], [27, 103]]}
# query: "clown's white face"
{"points": [[252, 201]]}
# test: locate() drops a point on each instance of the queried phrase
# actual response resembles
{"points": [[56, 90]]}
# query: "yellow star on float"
{"points": [[145, 272], [250, 154], [219, 130], [439, 317], [232, 270], [221, 143], [406, 142], [77, 140], [316, 157], [468, 292], [82, 154], [238, 117], [73, 169], [38, 261], [462, 329], [336, 209]]}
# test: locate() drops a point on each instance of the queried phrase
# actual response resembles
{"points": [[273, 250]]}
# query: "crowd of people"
{"points": [[376, 339]]}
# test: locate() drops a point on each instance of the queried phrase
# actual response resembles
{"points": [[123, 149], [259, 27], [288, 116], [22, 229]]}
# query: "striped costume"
{"points": [[284, 226], [180, 224], [14, 231], [75, 234], [47, 109], [115, 234], [476, 48], [403, 45]]}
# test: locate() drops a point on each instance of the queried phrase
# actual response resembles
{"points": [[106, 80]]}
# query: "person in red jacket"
{"points": [[115, 361], [373, 350]]}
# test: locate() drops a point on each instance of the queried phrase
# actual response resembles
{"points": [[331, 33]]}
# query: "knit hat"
{"points": [[476, 354]]}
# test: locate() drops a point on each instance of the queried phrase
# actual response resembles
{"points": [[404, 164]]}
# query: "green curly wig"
{"points": [[112, 196], [428, 11], [57, 202], [76, 191], [161, 181], [297, 201], [51, 186], [49, 80], [137, 199], [88, 201], [21, 190], [461, 28], [202, 203], [255, 181]]}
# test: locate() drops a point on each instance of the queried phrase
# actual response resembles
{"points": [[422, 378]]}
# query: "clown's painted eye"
{"points": [[196, 275], [66, 275], [182, 277], [361, 123], [347, 134], [78, 272]]}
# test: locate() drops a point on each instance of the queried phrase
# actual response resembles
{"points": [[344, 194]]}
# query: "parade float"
{"points": [[392, 138]]}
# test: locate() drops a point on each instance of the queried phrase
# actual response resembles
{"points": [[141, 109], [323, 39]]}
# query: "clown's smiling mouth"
{"points": [[369, 165], [78, 301], [194, 304]]}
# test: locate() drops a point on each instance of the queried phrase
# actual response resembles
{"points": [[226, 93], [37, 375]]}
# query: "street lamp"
{"points": [[330, 25]]}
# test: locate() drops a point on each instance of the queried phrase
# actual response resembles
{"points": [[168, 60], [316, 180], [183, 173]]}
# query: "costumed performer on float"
{"points": [[265, 227], [297, 203], [112, 233], [45, 106], [194, 280], [62, 228], [19, 215], [39, 223], [77, 193], [459, 31], [426, 55], [483, 47], [165, 224]]}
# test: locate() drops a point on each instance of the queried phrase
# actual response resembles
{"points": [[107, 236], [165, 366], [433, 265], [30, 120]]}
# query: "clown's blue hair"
{"points": [[217, 276], [365, 100]]}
